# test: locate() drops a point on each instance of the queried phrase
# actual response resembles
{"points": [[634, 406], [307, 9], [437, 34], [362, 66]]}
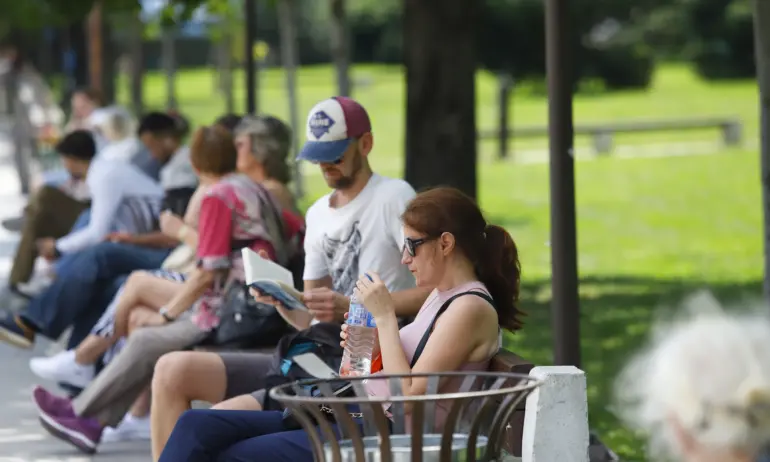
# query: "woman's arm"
{"points": [[214, 255], [188, 235], [192, 289]]}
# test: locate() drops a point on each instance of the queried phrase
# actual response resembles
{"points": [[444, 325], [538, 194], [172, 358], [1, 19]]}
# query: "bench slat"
{"points": [[508, 361]]}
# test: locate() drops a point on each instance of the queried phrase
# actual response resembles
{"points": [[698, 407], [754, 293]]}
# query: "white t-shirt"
{"points": [[123, 199], [364, 235]]}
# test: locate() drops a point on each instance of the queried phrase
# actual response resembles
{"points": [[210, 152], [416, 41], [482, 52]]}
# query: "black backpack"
{"points": [[322, 339]]}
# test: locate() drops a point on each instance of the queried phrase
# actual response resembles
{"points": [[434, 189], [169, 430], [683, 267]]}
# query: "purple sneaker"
{"points": [[50, 404], [82, 432]]}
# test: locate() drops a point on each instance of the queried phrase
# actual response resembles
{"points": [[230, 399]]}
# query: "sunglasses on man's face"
{"points": [[334, 162], [411, 244]]}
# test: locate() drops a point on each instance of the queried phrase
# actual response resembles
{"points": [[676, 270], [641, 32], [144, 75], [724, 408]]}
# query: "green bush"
{"points": [[722, 38], [623, 64]]}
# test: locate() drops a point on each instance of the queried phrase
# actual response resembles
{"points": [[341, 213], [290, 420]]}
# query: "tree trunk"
{"points": [[340, 41], [78, 55], [289, 57], [439, 53], [252, 76], [226, 71], [762, 52], [137, 65], [169, 65], [95, 45], [109, 61]]}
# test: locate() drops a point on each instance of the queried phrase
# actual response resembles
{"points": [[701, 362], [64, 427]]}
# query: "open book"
{"points": [[271, 279]]}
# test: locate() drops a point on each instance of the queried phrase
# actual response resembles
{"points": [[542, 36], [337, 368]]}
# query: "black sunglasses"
{"points": [[410, 245], [334, 162]]}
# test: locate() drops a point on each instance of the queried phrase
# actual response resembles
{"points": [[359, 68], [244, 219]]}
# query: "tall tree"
{"points": [[168, 52], [290, 60], [340, 41], [440, 58], [136, 51]]}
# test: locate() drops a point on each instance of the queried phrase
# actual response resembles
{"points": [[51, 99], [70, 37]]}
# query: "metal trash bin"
{"points": [[474, 417]]}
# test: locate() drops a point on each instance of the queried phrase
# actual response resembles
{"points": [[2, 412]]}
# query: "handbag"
{"points": [[245, 323], [344, 388], [180, 260], [321, 339]]}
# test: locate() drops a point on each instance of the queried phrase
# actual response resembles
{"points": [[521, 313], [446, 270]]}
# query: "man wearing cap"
{"points": [[354, 228], [357, 226]]}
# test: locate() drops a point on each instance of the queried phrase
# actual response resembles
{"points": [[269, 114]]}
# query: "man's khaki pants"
{"points": [[50, 213], [118, 385]]}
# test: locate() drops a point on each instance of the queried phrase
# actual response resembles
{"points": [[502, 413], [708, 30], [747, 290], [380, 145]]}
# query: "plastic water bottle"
{"points": [[357, 358]]}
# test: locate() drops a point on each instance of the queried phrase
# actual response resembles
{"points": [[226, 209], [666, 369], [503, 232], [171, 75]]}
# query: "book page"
{"points": [[258, 268]]}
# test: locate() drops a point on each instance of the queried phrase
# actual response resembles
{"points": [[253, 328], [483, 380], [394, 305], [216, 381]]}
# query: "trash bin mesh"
{"points": [[468, 423]]}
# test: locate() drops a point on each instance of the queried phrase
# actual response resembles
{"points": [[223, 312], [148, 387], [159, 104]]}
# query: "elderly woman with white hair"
{"points": [[701, 391], [114, 128]]}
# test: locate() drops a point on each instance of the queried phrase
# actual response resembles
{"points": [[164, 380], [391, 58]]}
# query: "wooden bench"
{"points": [[602, 133], [507, 361]]}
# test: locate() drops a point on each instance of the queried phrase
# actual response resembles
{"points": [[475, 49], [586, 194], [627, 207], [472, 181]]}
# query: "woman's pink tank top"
{"points": [[412, 334]]}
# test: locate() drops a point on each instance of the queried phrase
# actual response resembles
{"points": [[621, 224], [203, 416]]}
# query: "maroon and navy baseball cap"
{"points": [[331, 125]]}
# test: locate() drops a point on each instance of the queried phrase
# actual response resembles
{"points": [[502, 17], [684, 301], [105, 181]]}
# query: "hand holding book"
{"points": [[269, 282], [272, 284]]}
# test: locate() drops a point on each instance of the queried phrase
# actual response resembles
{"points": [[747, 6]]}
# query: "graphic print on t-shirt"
{"points": [[342, 259]]}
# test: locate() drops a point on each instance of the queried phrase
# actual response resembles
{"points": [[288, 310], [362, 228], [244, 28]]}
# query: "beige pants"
{"points": [[50, 213], [115, 389]]}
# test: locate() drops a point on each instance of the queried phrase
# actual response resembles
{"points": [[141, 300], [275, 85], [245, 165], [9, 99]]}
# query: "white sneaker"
{"points": [[62, 367], [35, 286], [130, 429]]}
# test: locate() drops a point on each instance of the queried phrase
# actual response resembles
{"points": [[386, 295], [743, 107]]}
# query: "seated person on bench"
{"points": [[70, 300], [237, 212], [448, 245]]}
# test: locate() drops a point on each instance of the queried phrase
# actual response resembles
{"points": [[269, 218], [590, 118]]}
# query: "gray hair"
{"points": [[115, 122], [709, 374], [270, 144]]}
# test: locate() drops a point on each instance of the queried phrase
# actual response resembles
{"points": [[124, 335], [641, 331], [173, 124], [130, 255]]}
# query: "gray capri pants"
{"points": [[246, 374]]}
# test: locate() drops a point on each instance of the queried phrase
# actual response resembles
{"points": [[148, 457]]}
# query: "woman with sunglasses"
{"points": [[474, 270]]}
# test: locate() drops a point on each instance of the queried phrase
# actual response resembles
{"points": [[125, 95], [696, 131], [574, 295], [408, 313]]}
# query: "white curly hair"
{"points": [[114, 122], [706, 375]]}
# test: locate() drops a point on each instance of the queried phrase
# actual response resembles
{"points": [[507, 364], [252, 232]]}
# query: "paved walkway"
{"points": [[21, 437]]}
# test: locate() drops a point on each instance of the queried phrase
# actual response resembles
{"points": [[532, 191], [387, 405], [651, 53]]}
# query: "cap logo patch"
{"points": [[320, 123]]}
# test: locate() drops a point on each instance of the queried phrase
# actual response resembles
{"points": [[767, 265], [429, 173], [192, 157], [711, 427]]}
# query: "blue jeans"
{"points": [[80, 223], [75, 291], [83, 220], [229, 436]]}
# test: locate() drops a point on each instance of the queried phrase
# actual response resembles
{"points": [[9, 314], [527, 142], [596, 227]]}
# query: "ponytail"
{"points": [[489, 248], [500, 270]]}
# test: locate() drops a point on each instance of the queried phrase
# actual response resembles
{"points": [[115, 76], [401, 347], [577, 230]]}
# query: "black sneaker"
{"points": [[14, 225]]}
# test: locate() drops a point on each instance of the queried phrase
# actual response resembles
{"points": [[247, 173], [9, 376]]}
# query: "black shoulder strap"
{"points": [[429, 330]]}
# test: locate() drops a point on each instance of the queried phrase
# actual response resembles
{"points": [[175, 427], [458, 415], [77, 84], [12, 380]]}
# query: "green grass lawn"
{"points": [[675, 93], [650, 230]]}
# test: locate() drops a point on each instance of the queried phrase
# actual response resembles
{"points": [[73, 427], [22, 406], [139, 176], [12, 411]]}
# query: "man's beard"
{"points": [[346, 181]]}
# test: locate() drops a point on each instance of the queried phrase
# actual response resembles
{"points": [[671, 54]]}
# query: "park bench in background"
{"points": [[602, 133]]}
